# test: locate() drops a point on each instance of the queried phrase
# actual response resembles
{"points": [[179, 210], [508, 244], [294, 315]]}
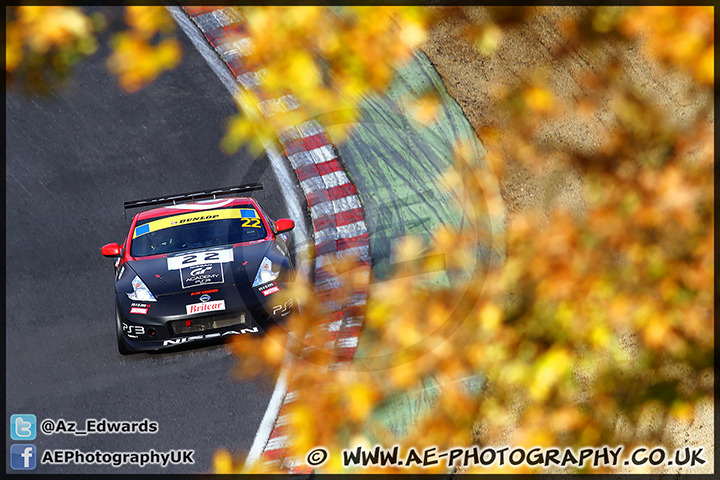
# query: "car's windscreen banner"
{"points": [[187, 218]]}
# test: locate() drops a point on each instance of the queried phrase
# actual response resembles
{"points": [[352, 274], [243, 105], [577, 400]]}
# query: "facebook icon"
{"points": [[22, 456]]}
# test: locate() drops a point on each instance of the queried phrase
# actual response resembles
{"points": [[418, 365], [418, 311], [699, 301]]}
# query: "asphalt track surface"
{"points": [[71, 160]]}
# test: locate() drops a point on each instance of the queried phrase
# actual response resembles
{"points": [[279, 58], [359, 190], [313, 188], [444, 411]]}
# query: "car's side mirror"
{"points": [[284, 225], [111, 250]]}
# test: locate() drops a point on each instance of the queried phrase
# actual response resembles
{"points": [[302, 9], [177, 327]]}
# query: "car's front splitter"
{"points": [[150, 345]]}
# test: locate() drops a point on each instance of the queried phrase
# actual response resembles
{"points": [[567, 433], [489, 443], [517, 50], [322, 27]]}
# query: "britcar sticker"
{"points": [[205, 307], [177, 220]]}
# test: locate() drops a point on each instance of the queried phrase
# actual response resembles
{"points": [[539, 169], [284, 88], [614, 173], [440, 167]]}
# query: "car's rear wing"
{"points": [[191, 196]]}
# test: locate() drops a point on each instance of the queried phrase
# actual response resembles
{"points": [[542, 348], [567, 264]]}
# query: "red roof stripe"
{"points": [[174, 209]]}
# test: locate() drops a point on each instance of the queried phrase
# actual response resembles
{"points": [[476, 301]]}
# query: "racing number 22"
{"points": [[251, 222], [209, 257]]}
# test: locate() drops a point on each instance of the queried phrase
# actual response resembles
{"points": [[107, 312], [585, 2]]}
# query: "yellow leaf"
{"points": [[403, 375], [682, 410], [167, 55], [412, 33], [222, 462], [705, 70], [552, 367], [148, 20], [425, 109], [489, 39], [600, 337], [361, 399], [655, 333], [302, 422], [13, 48], [490, 317], [273, 352], [409, 248], [539, 99]]}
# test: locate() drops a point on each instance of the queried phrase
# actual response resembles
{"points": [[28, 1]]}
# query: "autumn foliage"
{"points": [[597, 320], [146, 49], [44, 43]]}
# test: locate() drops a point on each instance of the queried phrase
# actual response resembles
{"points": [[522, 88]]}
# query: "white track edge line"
{"points": [[268, 421], [202, 46]]}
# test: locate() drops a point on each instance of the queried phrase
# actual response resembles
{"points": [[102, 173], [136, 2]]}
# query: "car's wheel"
{"points": [[123, 347]]}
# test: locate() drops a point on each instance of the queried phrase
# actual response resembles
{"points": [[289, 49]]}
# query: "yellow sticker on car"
{"points": [[249, 216]]}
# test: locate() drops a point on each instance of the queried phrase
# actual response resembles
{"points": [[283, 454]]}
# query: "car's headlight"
{"points": [[140, 291], [265, 273]]}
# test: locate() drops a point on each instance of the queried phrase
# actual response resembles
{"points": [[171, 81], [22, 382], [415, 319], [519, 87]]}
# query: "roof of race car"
{"points": [[195, 206]]}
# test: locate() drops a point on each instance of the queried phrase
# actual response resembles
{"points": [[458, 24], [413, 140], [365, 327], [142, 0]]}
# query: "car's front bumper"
{"points": [[166, 323]]}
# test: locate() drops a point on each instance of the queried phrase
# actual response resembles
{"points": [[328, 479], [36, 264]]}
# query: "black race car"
{"points": [[199, 270]]}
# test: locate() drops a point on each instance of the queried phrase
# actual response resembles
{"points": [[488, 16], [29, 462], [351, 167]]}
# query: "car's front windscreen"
{"points": [[205, 228]]}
